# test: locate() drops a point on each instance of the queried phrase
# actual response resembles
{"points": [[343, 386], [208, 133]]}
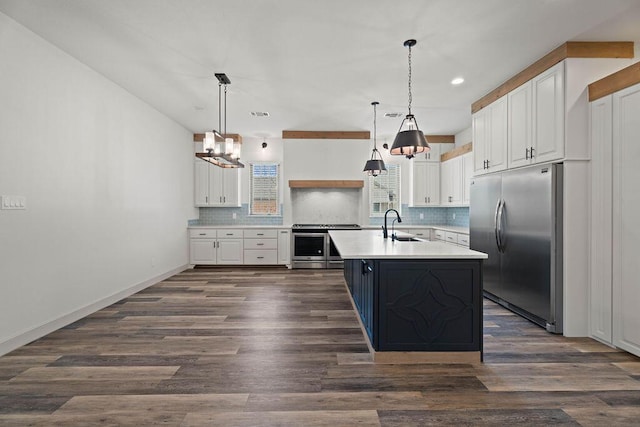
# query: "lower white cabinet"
{"points": [[211, 247], [284, 247], [614, 290], [421, 233], [261, 246], [251, 246], [452, 237]]}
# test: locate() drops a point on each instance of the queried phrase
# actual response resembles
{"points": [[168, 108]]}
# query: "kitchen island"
{"points": [[418, 301]]}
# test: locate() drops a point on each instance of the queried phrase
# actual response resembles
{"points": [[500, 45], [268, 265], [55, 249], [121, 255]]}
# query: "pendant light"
{"points": [[410, 141], [221, 150], [375, 166]]}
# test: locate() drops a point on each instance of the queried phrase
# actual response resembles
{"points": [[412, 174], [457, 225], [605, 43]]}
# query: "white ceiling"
{"points": [[317, 64]]}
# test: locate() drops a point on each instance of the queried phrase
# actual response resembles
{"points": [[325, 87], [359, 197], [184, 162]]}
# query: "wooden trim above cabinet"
{"points": [[617, 81], [441, 139], [321, 134], [199, 137], [456, 152], [325, 183], [566, 50]]}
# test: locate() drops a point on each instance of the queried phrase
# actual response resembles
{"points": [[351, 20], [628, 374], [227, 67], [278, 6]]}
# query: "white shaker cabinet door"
{"points": [[548, 113], [626, 211], [601, 116]]}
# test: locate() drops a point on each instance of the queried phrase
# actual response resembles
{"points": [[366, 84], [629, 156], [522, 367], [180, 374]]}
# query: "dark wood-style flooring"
{"points": [[273, 346]]}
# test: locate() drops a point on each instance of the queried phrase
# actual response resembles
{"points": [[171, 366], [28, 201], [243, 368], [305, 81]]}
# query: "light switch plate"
{"points": [[13, 203]]}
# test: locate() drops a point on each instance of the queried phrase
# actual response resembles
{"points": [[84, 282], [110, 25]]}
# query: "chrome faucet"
{"points": [[385, 234]]}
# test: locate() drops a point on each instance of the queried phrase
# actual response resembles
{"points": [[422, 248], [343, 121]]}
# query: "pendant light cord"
{"points": [[374, 127], [219, 108], [225, 111], [410, 80]]}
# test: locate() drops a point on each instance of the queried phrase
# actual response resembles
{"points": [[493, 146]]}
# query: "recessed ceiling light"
{"points": [[457, 81], [260, 114], [393, 115]]}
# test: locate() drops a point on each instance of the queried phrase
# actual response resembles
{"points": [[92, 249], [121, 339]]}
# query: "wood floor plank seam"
{"points": [[258, 346]]}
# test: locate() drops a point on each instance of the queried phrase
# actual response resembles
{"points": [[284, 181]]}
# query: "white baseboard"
{"points": [[42, 330]]}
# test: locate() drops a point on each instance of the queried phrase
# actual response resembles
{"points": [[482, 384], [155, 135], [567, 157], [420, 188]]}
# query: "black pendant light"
{"points": [[375, 166], [410, 141]]}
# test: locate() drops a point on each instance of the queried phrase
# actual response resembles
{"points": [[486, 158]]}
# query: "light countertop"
{"points": [[455, 229], [355, 244]]}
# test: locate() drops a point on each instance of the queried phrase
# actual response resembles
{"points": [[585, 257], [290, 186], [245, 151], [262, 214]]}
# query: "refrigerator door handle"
{"points": [[496, 225], [501, 248]]}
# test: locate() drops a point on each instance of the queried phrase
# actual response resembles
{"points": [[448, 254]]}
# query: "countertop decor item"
{"points": [[375, 166], [410, 141]]}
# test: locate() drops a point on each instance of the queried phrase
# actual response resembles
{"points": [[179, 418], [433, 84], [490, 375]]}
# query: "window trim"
{"points": [[373, 214], [278, 212]]}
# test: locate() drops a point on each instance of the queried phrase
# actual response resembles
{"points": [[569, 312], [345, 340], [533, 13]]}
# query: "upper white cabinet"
{"points": [[216, 186], [489, 127], [433, 155], [520, 132], [425, 184], [548, 115], [536, 119], [451, 181], [467, 174]]}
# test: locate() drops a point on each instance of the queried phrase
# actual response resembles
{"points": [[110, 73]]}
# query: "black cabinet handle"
{"points": [[532, 152]]}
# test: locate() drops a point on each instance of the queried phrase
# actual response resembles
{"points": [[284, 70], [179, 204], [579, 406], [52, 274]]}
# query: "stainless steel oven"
{"points": [[312, 247], [309, 250]]}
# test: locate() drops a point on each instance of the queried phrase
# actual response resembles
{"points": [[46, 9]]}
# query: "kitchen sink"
{"points": [[407, 239]]}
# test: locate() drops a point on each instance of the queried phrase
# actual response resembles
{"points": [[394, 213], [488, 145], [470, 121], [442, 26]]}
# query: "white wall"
{"points": [[463, 137], [339, 160], [108, 182]]}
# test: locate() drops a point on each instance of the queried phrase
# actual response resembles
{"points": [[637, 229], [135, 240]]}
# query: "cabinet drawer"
{"points": [[451, 237], [260, 233], [463, 239], [260, 243], [421, 233], [202, 233], [229, 234], [260, 256], [439, 234]]}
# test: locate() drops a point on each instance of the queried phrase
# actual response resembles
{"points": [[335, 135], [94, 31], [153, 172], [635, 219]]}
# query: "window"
{"points": [[265, 189], [384, 191]]}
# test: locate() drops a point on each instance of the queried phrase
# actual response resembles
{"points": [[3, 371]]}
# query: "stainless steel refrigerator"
{"points": [[516, 218]]}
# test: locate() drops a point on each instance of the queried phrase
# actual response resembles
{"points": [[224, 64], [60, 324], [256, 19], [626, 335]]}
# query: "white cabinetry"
{"points": [[261, 246], [210, 246], [202, 246], [216, 186], [421, 233], [425, 184], [489, 128], [284, 247], [467, 174], [536, 119], [451, 181], [433, 155], [615, 271]]}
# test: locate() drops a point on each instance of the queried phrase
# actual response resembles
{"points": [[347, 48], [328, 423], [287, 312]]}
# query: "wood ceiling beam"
{"points": [[617, 81], [199, 137], [317, 134], [441, 139], [325, 183], [566, 50], [456, 152]]}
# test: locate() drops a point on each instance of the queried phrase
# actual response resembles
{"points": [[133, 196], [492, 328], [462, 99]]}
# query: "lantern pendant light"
{"points": [[219, 149], [375, 166], [410, 141]]}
